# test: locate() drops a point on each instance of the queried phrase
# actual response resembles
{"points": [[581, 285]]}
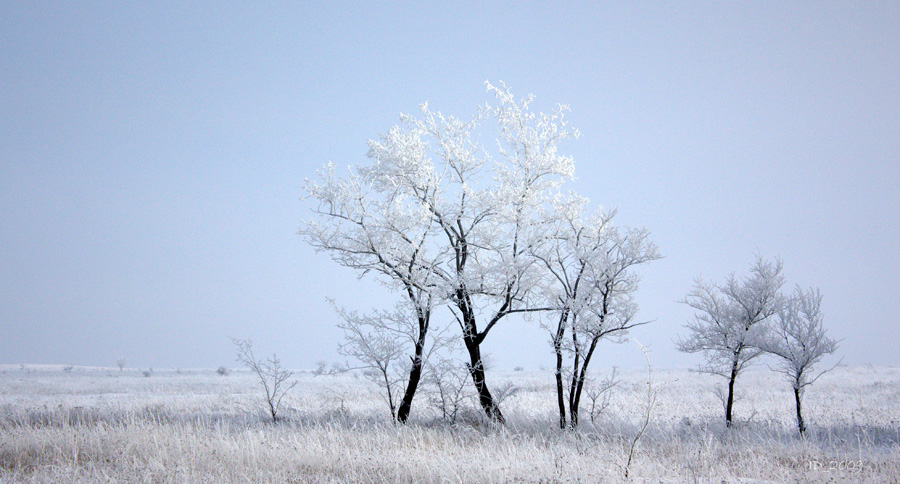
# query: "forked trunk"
{"points": [[272, 411], [576, 365], [578, 383], [574, 416]]}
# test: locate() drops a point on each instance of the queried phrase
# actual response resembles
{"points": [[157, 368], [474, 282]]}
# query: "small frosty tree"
{"points": [[589, 266], [382, 341], [798, 338], [449, 387], [273, 377], [728, 324]]}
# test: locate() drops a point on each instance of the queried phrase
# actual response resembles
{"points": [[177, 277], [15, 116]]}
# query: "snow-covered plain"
{"points": [[106, 425]]}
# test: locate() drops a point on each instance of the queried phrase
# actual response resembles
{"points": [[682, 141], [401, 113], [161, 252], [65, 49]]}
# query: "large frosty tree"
{"points": [[728, 326], [442, 219], [368, 227]]}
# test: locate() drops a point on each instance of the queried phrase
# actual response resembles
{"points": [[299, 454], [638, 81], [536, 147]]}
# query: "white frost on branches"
{"points": [[589, 284], [797, 337], [447, 220], [729, 322]]}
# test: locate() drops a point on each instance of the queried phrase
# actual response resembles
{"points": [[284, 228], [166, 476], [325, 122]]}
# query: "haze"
{"points": [[152, 158]]}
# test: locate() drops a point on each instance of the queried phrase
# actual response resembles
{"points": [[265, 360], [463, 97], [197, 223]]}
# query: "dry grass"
{"points": [[99, 426]]}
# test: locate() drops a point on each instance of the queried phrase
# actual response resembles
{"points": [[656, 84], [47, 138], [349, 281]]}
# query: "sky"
{"points": [[153, 155]]}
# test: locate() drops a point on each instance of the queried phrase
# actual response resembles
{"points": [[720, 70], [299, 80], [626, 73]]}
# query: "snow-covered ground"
{"points": [[107, 425]]}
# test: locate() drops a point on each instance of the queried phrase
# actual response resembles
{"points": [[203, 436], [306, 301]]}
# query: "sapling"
{"points": [[275, 379]]}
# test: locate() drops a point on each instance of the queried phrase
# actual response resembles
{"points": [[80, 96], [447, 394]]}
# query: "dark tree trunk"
{"points": [[472, 340], [573, 413], [578, 384], [415, 374], [557, 347], [575, 394], [800, 423], [576, 366], [580, 372], [476, 369], [730, 402], [560, 396]]}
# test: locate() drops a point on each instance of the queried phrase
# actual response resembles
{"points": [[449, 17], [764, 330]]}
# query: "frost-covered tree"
{"points": [[728, 325], [589, 266], [274, 378], [797, 336], [364, 225], [449, 384], [387, 344], [465, 219]]}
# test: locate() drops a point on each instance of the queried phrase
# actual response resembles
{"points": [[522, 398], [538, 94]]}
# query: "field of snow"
{"points": [[106, 425]]}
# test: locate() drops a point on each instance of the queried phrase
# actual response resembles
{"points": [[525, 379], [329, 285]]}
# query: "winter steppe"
{"points": [[107, 425]]}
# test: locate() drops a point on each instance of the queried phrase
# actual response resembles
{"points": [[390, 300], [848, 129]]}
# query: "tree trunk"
{"points": [[576, 365], [272, 411], [557, 347], [387, 387], [575, 394], [573, 413], [578, 384], [476, 369], [472, 340], [415, 372], [800, 423], [730, 402], [560, 395]]}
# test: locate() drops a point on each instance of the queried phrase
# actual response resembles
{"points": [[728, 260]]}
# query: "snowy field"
{"points": [[106, 425]]}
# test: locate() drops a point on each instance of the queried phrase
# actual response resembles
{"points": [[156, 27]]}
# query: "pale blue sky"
{"points": [[152, 157]]}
